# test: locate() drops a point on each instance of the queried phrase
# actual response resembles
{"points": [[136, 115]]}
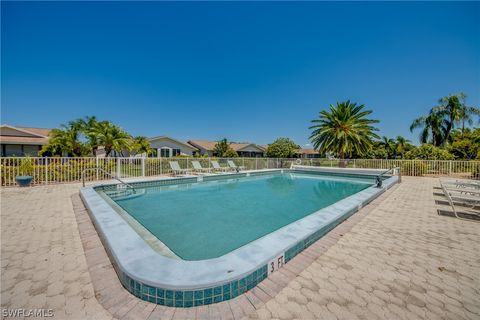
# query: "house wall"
{"points": [[19, 150], [166, 143]]}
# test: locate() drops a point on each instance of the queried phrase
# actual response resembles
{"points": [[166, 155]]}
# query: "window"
{"points": [[165, 152], [175, 152]]}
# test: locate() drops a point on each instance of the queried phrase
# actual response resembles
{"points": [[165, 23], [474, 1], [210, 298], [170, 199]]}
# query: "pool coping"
{"points": [[162, 280]]}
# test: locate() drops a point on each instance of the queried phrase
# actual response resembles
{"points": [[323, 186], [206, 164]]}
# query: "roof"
{"points": [[210, 145], [174, 140], [37, 136], [307, 151]]}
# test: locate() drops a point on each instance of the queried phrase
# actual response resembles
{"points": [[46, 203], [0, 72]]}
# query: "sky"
{"points": [[248, 71]]}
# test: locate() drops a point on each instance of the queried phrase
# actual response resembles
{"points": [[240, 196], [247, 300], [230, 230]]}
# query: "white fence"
{"points": [[58, 170]]}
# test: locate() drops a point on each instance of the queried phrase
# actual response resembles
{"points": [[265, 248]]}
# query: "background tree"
{"points": [[402, 145], [86, 127], [282, 148], [343, 130], [389, 145], [433, 126], [465, 144], [64, 140], [429, 152], [111, 137], [223, 149], [139, 145]]}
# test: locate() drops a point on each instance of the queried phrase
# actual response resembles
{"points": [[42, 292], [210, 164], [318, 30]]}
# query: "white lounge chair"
{"points": [[217, 167], [176, 168], [467, 198], [234, 166], [198, 167]]}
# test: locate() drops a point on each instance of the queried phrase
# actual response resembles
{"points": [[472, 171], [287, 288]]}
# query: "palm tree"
{"points": [[434, 128], [65, 140], [140, 145], [455, 111], [85, 126], [389, 145], [401, 145], [344, 130], [111, 137]]}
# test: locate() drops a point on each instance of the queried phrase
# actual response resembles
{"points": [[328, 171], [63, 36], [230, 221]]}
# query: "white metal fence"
{"points": [[58, 170]]}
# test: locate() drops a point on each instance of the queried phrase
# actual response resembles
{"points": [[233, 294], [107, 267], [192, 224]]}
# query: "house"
{"points": [[21, 141], [166, 147], [242, 149], [308, 153]]}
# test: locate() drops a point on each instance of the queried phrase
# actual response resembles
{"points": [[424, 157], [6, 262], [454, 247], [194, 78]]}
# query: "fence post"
{"points": [[450, 167], [96, 166], [118, 167], [46, 170], [256, 165], [143, 167]]}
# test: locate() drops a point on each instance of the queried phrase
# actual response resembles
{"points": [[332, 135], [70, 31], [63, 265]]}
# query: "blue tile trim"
{"points": [[191, 298]]}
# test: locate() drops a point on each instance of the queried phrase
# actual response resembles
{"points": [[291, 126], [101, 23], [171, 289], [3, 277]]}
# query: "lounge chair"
{"points": [[468, 199], [176, 168], [234, 166], [198, 167], [217, 167], [461, 184]]}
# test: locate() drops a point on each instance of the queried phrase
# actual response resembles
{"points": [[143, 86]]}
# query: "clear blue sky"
{"points": [[245, 71]]}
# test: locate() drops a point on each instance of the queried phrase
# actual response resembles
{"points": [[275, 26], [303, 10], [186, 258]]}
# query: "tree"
{"points": [[140, 144], [282, 148], [402, 145], [85, 126], [433, 126], [455, 111], [429, 152], [344, 130], [465, 144], [389, 145], [223, 149], [64, 140], [111, 137]]}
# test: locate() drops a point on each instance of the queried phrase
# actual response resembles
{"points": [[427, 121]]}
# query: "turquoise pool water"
{"points": [[209, 219]]}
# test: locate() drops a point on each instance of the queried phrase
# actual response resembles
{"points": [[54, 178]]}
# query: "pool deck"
{"points": [[394, 259]]}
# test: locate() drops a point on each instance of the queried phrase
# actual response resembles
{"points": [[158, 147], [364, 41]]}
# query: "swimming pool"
{"points": [[205, 220], [199, 240]]}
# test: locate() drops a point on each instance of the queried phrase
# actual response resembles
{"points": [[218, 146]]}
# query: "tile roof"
{"points": [[40, 135], [209, 145]]}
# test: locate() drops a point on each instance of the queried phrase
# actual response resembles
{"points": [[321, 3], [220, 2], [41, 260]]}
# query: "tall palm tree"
{"points": [[111, 137], [456, 112], [344, 130], [434, 128], [401, 145]]}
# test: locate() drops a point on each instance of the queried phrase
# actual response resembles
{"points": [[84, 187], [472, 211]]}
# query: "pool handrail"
{"points": [[108, 174]]}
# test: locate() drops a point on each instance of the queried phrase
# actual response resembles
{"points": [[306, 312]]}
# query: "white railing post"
{"points": [[46, 170], [256, 164], [96, 166], [143, 167], [118, 167]]}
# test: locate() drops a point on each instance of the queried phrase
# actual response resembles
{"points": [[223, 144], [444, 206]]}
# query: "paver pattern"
{"points": [[395, 259]]}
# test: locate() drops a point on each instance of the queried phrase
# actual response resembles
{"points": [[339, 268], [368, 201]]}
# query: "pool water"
{"points": [[205, 220]]}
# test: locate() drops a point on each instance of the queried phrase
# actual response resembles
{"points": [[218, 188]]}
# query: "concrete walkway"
{"points": [[395, 259]]}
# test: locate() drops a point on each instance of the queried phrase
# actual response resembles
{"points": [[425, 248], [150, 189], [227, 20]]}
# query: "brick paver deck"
{"points": [[395, 259]]}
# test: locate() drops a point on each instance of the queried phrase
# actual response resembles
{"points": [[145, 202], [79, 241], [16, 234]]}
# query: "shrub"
{"points": [[429, 152]]}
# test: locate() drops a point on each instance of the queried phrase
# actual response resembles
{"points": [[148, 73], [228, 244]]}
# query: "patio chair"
{"points": [[217, 167], [234, 166], [469, 200], [460, 184], [176, 168], [198, 167]]}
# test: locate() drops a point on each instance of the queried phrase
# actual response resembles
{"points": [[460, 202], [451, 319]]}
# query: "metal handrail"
{"points": [[379, 177], [108, 174]]}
